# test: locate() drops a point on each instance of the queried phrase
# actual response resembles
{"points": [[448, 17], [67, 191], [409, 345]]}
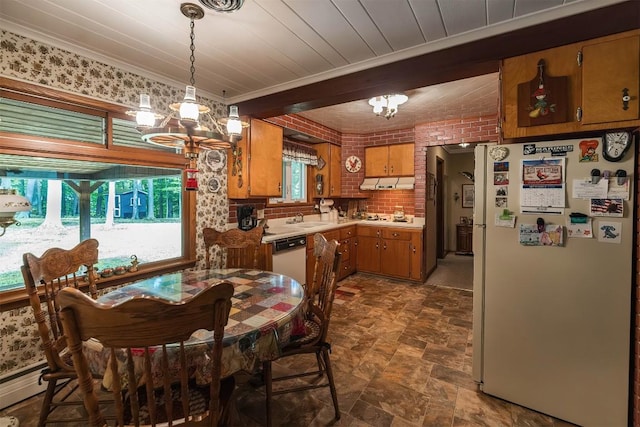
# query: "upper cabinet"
{"points": [[254, 167], [389, 160], [327, 179], [584, 86]]}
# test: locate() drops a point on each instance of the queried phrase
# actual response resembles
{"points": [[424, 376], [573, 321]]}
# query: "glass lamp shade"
{"points": [[10, 203], [234, 125], [144, 116], [189, 110]]}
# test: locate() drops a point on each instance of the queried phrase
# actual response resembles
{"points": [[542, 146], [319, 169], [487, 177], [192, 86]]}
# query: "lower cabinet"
{"points": [[347, 251], [464, 239], [346, 237], [395, 252]]}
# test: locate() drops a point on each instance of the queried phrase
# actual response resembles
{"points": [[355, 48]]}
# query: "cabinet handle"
{"points": [[385, 168], [377, 246], [625, 98], [391, 168], [395, 234], [279, 187], [384, 247], [579, 58], [579, 114]]}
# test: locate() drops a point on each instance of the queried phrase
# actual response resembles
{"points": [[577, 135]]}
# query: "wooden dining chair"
{"points": [[146, 330], [319, 296], [240, 247], [44, 277]]}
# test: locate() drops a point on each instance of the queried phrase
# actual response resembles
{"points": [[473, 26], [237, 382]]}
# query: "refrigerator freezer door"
{"points": [[556, 321]]}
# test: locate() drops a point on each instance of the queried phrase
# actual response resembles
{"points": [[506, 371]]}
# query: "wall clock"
{"points": [[353, 164], [615, 145]]}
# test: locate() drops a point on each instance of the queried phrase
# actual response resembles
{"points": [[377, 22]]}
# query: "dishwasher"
{"points": [[289, 257]]}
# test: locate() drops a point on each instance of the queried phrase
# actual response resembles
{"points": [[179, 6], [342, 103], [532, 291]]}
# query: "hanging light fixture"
{"points": [[10, 203], [183, 127], [387, 105]]}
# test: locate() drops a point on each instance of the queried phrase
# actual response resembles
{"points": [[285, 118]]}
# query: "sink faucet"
{"points": [[299, 217]]}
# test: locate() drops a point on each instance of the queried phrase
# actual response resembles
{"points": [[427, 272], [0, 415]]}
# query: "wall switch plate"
{"points": [[260, 213]]}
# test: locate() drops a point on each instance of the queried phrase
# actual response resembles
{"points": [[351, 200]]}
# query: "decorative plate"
{"points": [[321, 163], [213, 185], [353, 164], [498, 153], [215, 159]]}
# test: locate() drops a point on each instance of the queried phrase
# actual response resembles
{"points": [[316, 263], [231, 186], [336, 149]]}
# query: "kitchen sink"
{"points": [[309, 224]]}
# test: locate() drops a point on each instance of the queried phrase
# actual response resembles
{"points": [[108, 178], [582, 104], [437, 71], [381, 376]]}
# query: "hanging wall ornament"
{"points": [[543, 100]]}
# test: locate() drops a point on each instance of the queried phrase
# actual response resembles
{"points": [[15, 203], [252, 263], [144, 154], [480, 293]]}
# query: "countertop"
{"points": [[279, 228]]}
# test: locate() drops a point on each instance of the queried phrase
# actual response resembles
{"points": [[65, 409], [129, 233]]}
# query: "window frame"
{"points": [[26, 145]]}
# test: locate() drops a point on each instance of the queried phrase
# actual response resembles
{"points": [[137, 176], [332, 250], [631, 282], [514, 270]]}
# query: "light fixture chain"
{"points": [[192, 58]]}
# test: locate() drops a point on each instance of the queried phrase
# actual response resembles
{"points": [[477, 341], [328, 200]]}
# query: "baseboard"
{"points": [[21, 385]]}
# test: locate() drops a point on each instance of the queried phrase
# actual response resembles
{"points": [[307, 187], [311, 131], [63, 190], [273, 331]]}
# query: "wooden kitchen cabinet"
{"points": [[389, 160], [464, 239], [331, 172], [396, 252], [254, 168], [347, 251], [597, 72]]}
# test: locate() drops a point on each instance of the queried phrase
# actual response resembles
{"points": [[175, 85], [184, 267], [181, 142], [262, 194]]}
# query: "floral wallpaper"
{"points": [[28, 60]]}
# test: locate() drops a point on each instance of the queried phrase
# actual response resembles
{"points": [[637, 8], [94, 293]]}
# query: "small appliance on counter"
{"points": [[398, 214], [246, 218]]}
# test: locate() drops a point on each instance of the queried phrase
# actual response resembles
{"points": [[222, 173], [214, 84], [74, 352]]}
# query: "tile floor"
{"points": [[401, 357]]}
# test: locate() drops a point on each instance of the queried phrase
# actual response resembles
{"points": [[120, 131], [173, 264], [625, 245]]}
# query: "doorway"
{"points": [[440, 218]]}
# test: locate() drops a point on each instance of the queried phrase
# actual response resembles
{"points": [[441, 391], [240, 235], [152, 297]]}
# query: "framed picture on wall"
{"points": [[431, 186], [467, 195]]}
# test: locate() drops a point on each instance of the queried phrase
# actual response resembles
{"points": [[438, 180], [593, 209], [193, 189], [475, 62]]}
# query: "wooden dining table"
{"points": [[266, 313]]}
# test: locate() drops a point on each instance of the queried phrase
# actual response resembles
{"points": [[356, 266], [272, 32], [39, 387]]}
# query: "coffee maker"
{"points": [[246, 219]]}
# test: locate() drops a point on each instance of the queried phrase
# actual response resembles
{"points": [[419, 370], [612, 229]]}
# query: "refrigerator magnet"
{"points": [[609, 232]]}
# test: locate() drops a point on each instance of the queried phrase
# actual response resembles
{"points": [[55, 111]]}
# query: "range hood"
{"points": [[404, 183]]}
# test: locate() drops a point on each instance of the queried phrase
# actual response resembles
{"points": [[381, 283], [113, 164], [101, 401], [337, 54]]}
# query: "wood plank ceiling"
{"points": [[279, 56]]}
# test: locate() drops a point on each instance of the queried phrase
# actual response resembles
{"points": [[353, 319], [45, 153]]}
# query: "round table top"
{"points": [[262, 300]]}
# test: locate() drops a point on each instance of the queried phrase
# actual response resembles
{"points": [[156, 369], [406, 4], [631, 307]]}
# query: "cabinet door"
{"points": [[607, 69], [376, 160], [417, 256], [368, 254], [561, 61], [395, 258], [265, 164], [335, 171], [401, 160]]}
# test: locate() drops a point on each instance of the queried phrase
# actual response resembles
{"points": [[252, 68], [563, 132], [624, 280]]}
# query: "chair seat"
{"points": [[312, 334]]}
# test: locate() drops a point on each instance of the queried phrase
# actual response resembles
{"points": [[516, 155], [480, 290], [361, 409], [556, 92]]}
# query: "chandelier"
{"points": [[183, 127], [387, 105], [10, 203]]}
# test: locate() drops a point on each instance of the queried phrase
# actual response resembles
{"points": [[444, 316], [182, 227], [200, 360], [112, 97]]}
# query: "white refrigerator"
{"points": [[552, 301]]}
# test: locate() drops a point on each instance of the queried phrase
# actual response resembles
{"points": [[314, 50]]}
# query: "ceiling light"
{"points": [[185, 126], [10, 203], [463, 144], [387, 105]]}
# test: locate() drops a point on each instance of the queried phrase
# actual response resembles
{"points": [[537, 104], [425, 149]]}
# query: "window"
{"points": [[294, 178], [88, 174], [149, 229]]}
